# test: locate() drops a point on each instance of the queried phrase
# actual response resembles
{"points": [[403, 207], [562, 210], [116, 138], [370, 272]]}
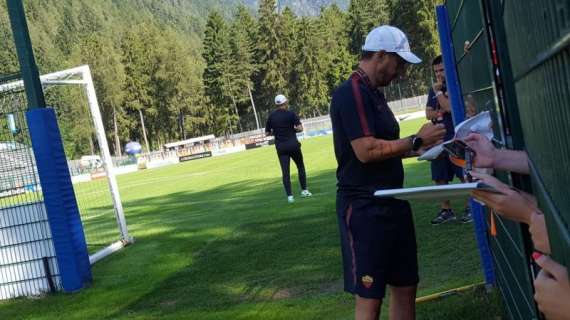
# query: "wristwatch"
{"points": [[439, 93], [417, 142]]}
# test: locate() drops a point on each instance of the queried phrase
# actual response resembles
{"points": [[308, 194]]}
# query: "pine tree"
{"points": [[243, 65], [109, 78], [335, 48], [286, 30], [269, 79], [217, 75], [139, 59], [312, 90], [363, 16], [417, 20]]}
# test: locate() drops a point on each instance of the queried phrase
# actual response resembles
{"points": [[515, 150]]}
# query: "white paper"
{"points": [[481, 124], [431, 193]]}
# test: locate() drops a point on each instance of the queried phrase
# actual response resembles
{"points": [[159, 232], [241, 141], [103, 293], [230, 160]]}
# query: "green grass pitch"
{"points": [[216, 239]]}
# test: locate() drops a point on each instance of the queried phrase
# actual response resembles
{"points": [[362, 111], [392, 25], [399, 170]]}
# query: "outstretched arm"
{"points": [[487, 156], [370, 149]]}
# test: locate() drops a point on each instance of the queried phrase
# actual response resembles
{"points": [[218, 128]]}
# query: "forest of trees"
{"points": [[190, 71]]}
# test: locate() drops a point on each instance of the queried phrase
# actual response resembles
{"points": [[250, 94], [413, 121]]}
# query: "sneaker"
{"points": [[306, 193], [467, 217], [290, 199], [445, 215]]}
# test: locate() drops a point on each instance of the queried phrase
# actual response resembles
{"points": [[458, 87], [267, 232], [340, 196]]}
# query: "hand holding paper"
{"points": [[483, 148], [510, 203]]}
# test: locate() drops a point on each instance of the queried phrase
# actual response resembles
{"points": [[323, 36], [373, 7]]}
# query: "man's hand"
{"points": [[431, 134], [485, 151], [437, 86], [552, 289], [539, 233], [298, 128], [509, 203]]}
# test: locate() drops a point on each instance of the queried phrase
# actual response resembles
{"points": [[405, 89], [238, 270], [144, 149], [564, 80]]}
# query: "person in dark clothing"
{"points": [[378, 241], [284, 124], [438, 110]]}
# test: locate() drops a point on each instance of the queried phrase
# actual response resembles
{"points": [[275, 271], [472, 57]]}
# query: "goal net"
{"points": [[72, 95]]}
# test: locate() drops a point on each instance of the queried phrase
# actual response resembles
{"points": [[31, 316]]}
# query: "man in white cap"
{"points": [[377, 235], [284, 125]]}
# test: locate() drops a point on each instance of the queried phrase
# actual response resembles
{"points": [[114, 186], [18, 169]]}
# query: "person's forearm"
{"points": [[386, 149], [511, 160], [380, 150]]}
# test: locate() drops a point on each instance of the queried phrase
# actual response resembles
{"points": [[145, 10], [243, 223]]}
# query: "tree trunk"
{"points": [[144, 131], [253, 106], [118, 152]]}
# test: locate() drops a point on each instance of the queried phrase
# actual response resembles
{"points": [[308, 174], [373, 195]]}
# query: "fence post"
{"points": [[28, 67], [458, 113]]}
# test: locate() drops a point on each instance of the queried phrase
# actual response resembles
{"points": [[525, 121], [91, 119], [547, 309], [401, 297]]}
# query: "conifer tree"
{"points": [[242, 64], [269, 78], [217, 75], [312, 90], [335, 46], [417, 20], [363, 16]]}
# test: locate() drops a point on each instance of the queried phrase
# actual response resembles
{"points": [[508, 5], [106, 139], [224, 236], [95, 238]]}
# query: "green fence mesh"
{"points": [[528, 97]]}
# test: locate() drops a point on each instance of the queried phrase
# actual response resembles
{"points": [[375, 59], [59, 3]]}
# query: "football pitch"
{"points": [[216, 239]]}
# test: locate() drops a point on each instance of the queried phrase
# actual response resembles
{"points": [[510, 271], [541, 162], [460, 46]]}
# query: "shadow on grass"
{"points": [[238, 250], [251, 246]]}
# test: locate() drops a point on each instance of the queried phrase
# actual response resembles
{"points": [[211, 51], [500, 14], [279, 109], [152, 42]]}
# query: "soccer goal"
{"points": [[91, 168]]}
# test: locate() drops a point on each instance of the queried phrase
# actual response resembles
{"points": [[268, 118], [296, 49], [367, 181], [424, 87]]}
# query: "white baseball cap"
{"points": [[390, 39], [280, 99]]}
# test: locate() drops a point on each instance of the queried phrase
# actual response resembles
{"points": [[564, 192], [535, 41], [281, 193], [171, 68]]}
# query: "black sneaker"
{"points": [[445, 215], [467, 217]]}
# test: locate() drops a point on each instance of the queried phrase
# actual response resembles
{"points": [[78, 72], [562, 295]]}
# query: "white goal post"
{"points": [[81, 76]]}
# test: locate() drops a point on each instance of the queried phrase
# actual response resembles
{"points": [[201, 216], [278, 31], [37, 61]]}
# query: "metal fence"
{"points": [[513, 59], [538, 36], [27, 255], [478, 78], [408, 105], [322, 124], [28, 243]]}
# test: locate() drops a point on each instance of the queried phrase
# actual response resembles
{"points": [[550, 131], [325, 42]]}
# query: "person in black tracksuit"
{"points": [[284, 124]]}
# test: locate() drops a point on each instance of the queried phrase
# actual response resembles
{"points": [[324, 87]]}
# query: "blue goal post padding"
{"points": [[59, 198]]}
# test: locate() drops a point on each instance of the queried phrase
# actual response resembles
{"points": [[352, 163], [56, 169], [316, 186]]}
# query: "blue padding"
{"points": [[59, 198], [480, 225], [458, 112], [448, 55]]}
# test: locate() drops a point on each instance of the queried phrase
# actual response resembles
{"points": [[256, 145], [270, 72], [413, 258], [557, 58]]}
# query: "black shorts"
{"points": [[378, 245], [443, 169]]}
